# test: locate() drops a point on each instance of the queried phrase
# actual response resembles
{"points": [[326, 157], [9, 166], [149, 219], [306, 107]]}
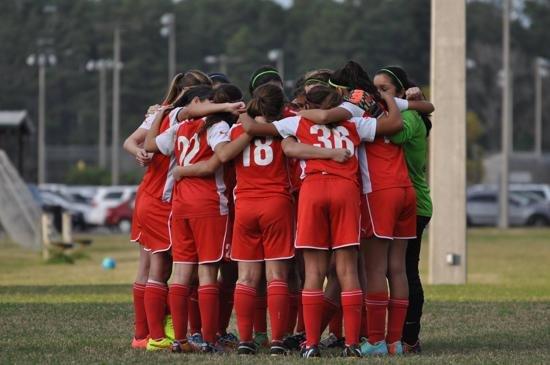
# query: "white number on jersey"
{"points": [[340, 136], [187, 154], [263, 153]]}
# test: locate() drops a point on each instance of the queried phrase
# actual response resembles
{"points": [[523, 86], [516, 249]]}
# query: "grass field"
{"points": [[79, 313]]}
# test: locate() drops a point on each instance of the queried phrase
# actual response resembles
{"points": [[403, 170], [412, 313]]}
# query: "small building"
{"points": [[17, 138]]}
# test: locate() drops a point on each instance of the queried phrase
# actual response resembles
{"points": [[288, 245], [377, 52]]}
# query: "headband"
{"points": [[394, 76], [315, 81], [336, 85], [263, 73]]}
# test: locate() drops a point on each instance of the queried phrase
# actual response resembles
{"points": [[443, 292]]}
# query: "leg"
{"points": [[316, 265], [156, 294], [332, 295], [260, 311], [277, 297], [178, 297], [245, 297], [209, 300], [228, 278], [399, 291], [141, 330]]}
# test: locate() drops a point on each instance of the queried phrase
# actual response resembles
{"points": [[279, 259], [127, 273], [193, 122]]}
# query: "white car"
{"points": [[107, 197], [540, 190]]}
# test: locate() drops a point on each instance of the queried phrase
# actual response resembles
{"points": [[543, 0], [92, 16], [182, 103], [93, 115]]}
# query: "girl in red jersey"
{"points": [[328, 210], [199, 212], [153, 183], [390, 206]]}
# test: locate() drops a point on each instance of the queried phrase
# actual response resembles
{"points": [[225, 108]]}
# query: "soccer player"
{"points": [[328, 211], [416, 129], [155, 186]]}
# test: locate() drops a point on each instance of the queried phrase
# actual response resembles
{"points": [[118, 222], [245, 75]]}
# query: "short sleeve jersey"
{"points": [[197, 196], [347, 134], [261, 168], [157, 180]]}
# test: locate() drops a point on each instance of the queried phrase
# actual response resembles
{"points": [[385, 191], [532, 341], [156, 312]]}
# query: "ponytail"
{"points": [[267, 101]]}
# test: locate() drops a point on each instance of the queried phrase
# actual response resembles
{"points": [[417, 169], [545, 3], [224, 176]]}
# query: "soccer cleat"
{"points": [[278, 348], [156, 345], [332, 341], [181, 346], [395, 348], [209, 348], [293, 342], [196, 341], [139, 344], [412, 349], [247, 348], [228, 340], [352, 351], [312, 351], [169, 327], [379, 348], [261, 340]]}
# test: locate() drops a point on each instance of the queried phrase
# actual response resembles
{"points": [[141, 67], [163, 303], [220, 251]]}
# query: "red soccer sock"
{"points": [[155, 307], [377, 304], [245, 305], [209, 304], [292, 312], [141, 330], [352, 302], [260, 314], [194, 312], [178, 297], [300, 326], [278, 305], [397, 312], [329, 309], [312, 302], [364, 328], [335, 325], [226, 308]]}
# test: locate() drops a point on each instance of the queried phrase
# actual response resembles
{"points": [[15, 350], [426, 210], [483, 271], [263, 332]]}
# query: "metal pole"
{"points": [[505, 136], [41, 120], [116, 109], [281, 63], [538, 109], [172, 48], [102, 141], [223, 63]]}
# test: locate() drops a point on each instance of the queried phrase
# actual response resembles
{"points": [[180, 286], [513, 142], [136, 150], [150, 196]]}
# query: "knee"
{"points": [[249, 279]]}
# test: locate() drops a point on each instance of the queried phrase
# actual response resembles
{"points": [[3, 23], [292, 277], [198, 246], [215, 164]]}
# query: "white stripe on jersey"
{"points": [[220, 185], [364, 168]]}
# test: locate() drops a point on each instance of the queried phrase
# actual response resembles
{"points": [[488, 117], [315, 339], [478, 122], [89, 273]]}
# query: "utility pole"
{"points": [[277, 55], [541, 71], [505, 135], [447, 236], [168, 30], [115, 163]]}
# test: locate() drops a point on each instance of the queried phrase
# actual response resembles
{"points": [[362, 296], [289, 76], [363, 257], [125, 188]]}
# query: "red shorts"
{"points": [[263, 229], [391, 214], [135, 231], [328, 213], [198, 240], [152, 216]]}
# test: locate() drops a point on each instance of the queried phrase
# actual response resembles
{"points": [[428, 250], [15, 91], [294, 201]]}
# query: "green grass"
{"points": [[68, 313]]}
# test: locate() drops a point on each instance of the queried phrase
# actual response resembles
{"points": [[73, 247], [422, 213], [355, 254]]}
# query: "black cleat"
{"points": [[352, 351], [312, 351], [293, 342], [278, 348], [247, 348]]}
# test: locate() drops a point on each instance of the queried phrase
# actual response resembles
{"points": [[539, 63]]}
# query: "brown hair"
{"points": [[185, 80], [268, 101], [224, 93], [323, 97]]}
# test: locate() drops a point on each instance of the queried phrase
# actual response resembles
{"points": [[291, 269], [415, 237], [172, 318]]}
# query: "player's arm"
{"points": [[294, 149], [326, 116], [421, 106], [150, 144], [195, 110], [133, 145], [408, 131], [200, 169], [253, 128], [229, 150], [391, 122]]}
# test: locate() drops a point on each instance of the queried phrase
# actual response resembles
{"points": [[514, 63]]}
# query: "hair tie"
{"points": [[315, 81], [394, 76], [336, 85], [263, 73]]}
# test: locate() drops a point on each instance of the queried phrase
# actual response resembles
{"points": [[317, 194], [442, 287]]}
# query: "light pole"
{"points": [[505, 136], [42, 60], [168, 30], [117, 66], [277, 55], [541, 70], [101, 66], [222, 60]]}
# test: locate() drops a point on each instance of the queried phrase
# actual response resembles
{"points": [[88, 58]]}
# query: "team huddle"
{"points": [[311, 210]]}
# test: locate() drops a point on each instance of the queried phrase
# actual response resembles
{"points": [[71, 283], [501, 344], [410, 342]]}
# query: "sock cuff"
{"points": [[245, 289], [377, 299], [398, 302], [156, 287], [139, 286], [312, 297], [209, 289], [178, 289], [277, 288], [354, 297]]}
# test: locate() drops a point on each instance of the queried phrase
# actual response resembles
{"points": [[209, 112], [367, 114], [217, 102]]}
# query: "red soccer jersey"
{"points": [[261, 168], [347, 134], [196, 196], [157, 180]]}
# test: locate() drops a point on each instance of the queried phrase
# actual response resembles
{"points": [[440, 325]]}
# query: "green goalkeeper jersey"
{"points": [[415, 144]]}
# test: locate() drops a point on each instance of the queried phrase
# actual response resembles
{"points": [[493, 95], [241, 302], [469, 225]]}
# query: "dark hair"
{"points": [[353, 76], [317, 77], [218, 78], [323, 97], [299, 87], [262, 76], [202, 92], [268, 101], [224, 93], [399, 78], [183, 80]]}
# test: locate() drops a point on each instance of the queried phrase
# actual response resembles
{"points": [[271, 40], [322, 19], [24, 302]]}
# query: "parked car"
{"points": [[77, 210], [541, 190], [108, 197], [482, 208], [120, 217]]}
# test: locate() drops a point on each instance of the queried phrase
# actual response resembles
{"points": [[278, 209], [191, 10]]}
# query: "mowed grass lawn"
{"points": [[80, 313]]}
